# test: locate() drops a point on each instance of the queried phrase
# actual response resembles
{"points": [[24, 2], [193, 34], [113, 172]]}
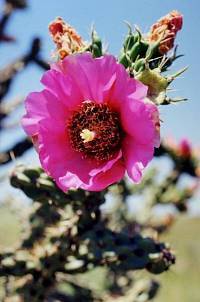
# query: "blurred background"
{"points": [[182, 120]]}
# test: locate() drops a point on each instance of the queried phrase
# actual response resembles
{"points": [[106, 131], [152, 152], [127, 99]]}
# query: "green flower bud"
{"points": [[143, 48], [96, 51], [96, 40], [129, 42], [137, 35], [96, 46], [135, 51], [140, 65], [123, 60], [152, 50]]}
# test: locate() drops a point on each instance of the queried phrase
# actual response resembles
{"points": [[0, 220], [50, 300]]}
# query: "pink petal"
{"points": [[156, 122], [64, 87], [137, 120], [42, 105], [105, 179], [72, 67], [136, 157], [68, 181], [95, 77], [125, 87], [106, 166]]}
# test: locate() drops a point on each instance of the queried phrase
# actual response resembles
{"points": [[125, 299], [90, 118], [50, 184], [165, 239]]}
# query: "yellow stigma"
{"points": [[87, 135]]}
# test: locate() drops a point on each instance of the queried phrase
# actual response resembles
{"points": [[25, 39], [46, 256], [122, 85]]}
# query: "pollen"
{"points": [[87, 135], [94, 131]]}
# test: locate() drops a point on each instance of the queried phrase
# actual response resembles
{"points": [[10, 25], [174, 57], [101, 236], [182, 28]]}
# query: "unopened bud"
{"points": [[65, 37], [167, 28]]}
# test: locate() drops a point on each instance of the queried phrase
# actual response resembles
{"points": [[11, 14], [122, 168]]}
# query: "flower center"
{"points": [[94, 130]]}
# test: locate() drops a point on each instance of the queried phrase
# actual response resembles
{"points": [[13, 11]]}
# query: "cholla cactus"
{"points": [[94, 120], [69, 235]]}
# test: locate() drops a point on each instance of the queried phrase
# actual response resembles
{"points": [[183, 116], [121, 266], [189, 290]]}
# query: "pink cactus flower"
{"points": [[91, 123], [185, 148]]}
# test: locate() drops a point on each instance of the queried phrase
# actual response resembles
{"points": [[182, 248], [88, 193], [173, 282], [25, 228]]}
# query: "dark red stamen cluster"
{"points": [[104, 122]]}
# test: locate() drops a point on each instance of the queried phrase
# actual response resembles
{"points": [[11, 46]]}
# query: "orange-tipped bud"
{"points": [[166, 29], [65, 37]]}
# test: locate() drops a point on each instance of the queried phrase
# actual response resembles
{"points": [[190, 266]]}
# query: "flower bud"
{"points": [[166, 29], [124, 60], [129, 41], [65, 37], [184, 148], [96, 45], [135, 51]]}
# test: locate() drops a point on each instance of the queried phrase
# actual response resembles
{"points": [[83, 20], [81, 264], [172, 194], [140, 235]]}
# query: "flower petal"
{"points": [[42, 105], [125, 87], [137, 119], [64, 87], [95, 77], [136, 157], [105, 179], [156, 122]]}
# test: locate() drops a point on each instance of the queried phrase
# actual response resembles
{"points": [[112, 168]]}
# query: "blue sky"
{"points": [[179, 120]]}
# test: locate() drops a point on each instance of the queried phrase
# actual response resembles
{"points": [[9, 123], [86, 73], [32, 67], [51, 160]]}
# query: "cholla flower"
{"points": [[91, 123], [65, 37], [166, 29], [184, 148]]}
